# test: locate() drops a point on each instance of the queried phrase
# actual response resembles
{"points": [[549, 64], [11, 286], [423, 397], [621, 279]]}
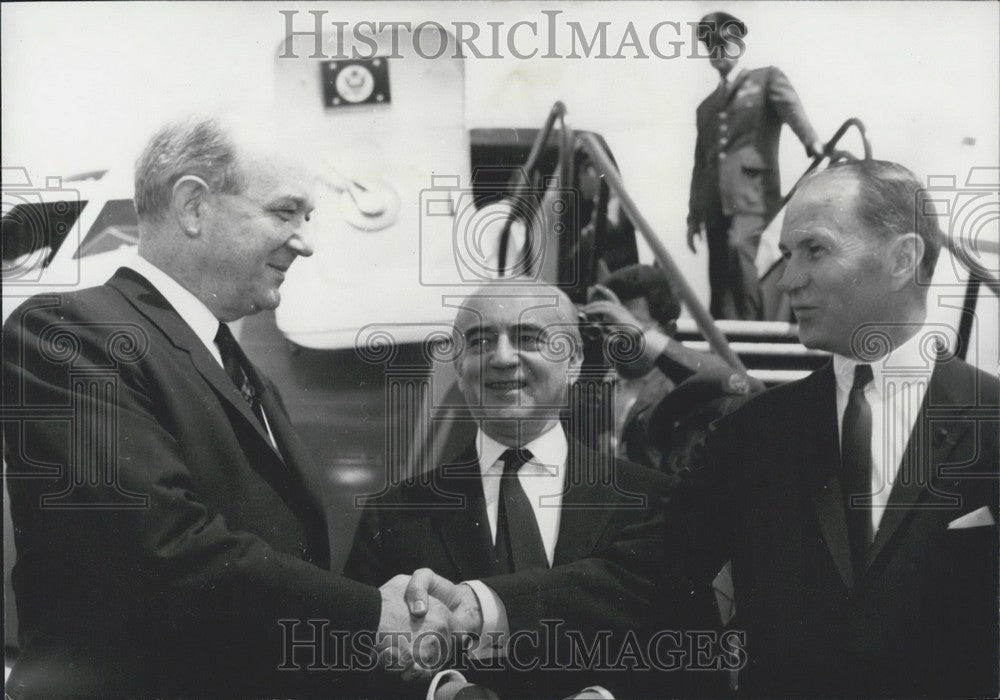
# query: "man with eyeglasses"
{"points": [[521, 513], [165, 531]]}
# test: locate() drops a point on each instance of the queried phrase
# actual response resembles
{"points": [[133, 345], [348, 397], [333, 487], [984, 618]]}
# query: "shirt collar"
{"points": [[907, 361], [733, 75], [549, 450], [189, 307]]}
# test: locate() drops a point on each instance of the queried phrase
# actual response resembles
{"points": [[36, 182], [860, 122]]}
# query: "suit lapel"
{"points": [[288, 484], [151, 304], [290, 479], [931, 443], [587, 504], [465, 529], [732, 87], [821, 450]]}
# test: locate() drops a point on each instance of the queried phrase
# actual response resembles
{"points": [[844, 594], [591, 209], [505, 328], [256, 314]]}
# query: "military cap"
{"points": [[712, 25]]}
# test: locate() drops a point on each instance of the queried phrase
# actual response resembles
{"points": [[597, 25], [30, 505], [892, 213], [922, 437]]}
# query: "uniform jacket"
{"points": [[160, 537], [923, 619], [736, 153]]}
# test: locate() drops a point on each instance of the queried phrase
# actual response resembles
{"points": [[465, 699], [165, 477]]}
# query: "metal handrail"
{"points": [[829, 151], [558, 111], [700, 314], [958, 253], [612, 179], [523, 184]]}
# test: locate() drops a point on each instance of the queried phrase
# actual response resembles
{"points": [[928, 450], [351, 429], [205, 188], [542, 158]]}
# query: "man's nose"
{"points": [[505, 354], [792, 278], [301, 242]]}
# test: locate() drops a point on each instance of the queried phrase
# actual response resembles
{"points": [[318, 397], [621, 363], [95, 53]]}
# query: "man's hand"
{"points": [[693, 235], [814, 149], [604, 308], [415, 639], [466, 616]]}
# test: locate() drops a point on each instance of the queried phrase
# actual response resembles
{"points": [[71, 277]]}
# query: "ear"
{"points": [[187, 204], [905, 253]]}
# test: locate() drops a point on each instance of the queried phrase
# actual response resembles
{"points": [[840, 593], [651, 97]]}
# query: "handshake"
{"points": [[424, 617]]}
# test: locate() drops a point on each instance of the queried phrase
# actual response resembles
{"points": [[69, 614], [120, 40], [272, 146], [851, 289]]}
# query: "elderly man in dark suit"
{"points": [[735, 185], [521, 501], [164, 530], [858, 506]]}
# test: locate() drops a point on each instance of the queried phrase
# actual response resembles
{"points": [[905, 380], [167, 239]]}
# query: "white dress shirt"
{"points": [[191, 310], [895, 395], [189, 307], [542, 479]]}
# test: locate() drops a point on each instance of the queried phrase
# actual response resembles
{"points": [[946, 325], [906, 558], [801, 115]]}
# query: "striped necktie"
{"points": [[234, 362]]}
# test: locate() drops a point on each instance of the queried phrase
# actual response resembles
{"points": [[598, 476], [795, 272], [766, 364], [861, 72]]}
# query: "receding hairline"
{"points": [[496, 291], [831, 175], [889, 200], [476, 303], [843, 189]]}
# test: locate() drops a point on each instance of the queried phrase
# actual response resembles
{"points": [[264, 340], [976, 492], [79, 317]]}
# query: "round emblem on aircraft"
{"points": [[355, 83]]}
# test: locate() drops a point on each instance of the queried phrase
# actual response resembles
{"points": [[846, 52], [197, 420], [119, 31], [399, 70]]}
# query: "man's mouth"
{"points": [[510, 385]]}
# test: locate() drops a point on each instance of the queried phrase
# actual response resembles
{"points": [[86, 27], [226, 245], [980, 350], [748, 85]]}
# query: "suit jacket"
{"points": [[923, 619], [439, 521], [736, 153], [160, 536]]}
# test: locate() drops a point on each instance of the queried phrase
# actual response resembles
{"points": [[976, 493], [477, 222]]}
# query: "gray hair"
{"points": [[194, 146]]}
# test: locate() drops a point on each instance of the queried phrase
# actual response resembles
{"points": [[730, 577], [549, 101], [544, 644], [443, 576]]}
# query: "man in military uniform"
{"points": [[735, 186]]}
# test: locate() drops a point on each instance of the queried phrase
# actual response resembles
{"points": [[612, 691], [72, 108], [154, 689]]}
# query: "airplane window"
{"points": [[114, 227]]}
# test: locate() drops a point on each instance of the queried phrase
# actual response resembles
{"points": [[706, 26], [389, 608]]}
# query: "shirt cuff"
{"points": [[496, 628], [442, 677]]}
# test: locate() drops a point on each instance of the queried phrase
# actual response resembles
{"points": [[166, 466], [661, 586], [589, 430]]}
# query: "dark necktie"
{"points": [[234, 362], [856, 465], [519, 543]]}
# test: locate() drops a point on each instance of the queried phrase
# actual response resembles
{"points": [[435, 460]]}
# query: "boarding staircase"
{"points": [[768, 350]]}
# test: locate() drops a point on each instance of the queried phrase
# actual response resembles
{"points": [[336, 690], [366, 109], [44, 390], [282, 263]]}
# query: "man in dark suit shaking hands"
{"points": [[522, 502], [165, 535], [858, 505], [735, 184]]}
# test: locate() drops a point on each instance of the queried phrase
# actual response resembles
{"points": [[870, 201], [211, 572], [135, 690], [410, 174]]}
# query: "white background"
{"points": [[84, 84]]}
